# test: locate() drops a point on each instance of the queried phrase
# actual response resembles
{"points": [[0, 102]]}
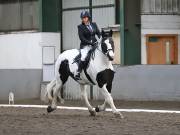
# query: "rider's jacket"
{"points": [[87, 34]]}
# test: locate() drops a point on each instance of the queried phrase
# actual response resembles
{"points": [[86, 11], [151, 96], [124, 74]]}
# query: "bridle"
{"points": [[99, 43], [96, 47]]}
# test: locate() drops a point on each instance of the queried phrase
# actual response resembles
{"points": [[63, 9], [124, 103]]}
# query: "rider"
{"points": [[87, 31]]}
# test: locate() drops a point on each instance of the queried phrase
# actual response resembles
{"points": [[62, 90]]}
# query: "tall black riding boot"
{"points": [[80, 68]]}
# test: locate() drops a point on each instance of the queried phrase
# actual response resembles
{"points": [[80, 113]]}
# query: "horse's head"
{"points": [[107, 44]]}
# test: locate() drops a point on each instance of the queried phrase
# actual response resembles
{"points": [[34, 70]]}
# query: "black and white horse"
{"points": [[99, 71]]}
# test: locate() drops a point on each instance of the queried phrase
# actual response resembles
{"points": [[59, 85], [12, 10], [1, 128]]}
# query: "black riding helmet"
{"points": [[85, 14]]}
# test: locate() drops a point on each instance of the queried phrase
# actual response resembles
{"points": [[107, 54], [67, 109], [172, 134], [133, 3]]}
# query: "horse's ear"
{"points": [[110, 33], [103, 33]]}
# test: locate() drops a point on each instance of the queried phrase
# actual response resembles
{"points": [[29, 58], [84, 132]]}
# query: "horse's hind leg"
{"points": [[60, 97], [49, 92], [84, 96], [55, 96]]}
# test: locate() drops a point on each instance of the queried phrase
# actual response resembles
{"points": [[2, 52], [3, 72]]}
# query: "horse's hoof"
{"points": [[50, 109], [118, 114], [92, 113], [97, 109]]}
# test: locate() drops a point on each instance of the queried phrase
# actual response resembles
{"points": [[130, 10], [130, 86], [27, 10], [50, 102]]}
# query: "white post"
{"points": [[11, 98]]}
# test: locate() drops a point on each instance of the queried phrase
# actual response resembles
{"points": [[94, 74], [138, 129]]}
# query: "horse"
{"points": [[98, 71]]}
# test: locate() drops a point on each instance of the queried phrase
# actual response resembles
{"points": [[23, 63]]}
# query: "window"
{"points": [[160, 7], [16, 15]]}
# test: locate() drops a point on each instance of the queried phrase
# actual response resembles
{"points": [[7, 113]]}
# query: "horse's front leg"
{"points": [[84, 96], [110, 101]]}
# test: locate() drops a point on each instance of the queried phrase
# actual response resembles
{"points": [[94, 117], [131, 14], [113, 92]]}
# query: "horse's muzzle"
{"points": [[110, 59], [110, 55]]}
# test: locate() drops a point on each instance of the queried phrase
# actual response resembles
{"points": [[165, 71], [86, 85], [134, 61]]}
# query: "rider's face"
{"points": [[85, 20]]}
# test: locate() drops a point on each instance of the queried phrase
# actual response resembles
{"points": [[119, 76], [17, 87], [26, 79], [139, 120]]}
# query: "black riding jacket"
{"points": [[87, 36]]}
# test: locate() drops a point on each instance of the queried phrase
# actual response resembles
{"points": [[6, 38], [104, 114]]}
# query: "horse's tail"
{"points": [[49, 92]]}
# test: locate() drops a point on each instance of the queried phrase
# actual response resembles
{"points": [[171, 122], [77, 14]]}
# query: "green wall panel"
{"points": [[50, 15], [130, 28], [132, 32], [121, 20]]}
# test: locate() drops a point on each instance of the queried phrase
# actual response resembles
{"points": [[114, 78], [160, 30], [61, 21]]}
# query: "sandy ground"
{"points": [[34, 121]]}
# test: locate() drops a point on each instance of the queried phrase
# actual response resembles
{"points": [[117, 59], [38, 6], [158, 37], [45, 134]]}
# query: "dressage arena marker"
{"points": [[84, 108]]}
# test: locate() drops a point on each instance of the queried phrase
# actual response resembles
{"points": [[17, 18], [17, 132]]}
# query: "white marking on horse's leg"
{"points": [[109, 100], [84, 96]]}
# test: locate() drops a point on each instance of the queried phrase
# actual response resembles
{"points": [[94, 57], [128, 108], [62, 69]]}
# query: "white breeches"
{"points": [[84, 52]]}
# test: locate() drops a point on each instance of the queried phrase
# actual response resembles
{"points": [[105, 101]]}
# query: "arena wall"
{"points": [[147, 83], [21, 62]]}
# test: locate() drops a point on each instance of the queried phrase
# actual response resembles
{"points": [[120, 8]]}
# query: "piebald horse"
{"points": [[98, 71]]}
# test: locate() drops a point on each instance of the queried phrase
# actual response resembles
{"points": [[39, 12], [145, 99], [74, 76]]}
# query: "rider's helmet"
{"points": [[85, 14]]}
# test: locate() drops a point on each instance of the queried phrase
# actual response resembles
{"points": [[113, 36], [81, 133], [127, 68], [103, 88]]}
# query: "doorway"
{"points": [[162, 49]]}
